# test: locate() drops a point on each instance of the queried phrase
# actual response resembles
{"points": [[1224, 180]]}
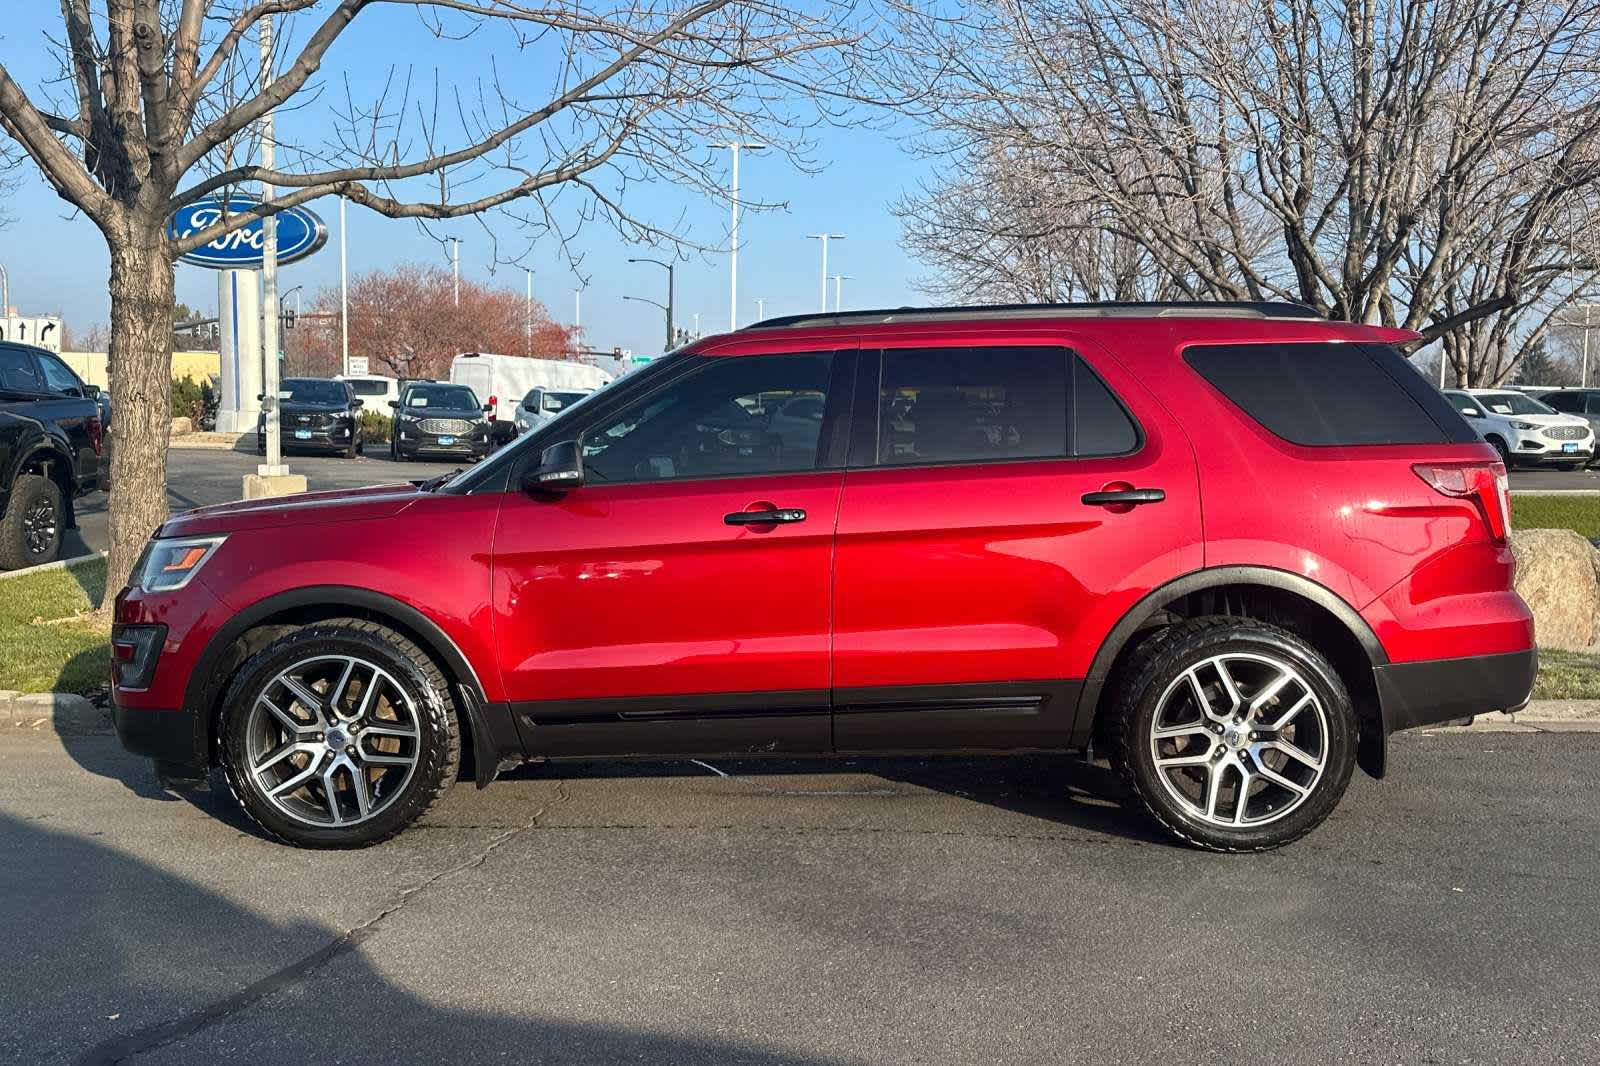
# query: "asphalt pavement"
{"points": [[898, 911]]}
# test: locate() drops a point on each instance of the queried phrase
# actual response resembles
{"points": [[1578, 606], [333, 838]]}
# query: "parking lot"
{"points": [[891, 911]]}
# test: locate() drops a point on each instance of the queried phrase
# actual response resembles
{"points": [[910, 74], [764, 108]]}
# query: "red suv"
{"points": [[1231, 546]]}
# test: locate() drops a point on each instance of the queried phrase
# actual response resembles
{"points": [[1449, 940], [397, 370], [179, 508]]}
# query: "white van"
{"points": [[375, 390], [503, 380]]}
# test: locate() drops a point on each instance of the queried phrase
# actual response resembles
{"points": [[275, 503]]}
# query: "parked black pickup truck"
{"points": [[50, 444]]}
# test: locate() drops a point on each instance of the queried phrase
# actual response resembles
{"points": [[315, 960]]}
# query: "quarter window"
{"points": [[58, 378], [725, 419]]}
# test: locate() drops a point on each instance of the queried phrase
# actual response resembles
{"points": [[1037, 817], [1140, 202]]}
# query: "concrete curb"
{"points": [[59, 564], [1540, 716], [59, 712]]}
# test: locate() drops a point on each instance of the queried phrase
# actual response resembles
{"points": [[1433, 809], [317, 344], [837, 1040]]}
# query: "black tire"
{"points": [[438, 740], [1500, 446], [35, 506], [1569, 466], [1161, 662]]}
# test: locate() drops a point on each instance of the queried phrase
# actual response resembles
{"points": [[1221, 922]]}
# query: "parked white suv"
{"points": [[1523, 430]]}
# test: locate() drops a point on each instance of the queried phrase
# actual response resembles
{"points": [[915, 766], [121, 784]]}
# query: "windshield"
{"points": [[1513, 403], [313, 390], [449, 397]]}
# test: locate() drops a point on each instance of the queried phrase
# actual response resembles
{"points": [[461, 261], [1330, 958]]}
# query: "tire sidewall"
{"points": [[1169, 664], [28, 492], [435, 721]]}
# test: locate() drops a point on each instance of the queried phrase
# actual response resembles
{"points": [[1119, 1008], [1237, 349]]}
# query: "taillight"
{"points": [[96, 436], [494, 405], [1484, 483]]}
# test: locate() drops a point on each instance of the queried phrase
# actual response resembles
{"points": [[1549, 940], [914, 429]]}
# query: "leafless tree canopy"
{"points": [[160, 103], [1415, 163]]}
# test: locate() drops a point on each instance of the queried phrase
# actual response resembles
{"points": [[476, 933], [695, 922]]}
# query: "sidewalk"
{"points": [[202, 439]]}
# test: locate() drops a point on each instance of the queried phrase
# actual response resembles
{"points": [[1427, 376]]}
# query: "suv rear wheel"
{"points": [[339, 735], [1237, 735], [30, 529]]}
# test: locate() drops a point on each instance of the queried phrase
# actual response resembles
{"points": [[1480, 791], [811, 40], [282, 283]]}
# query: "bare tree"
{"points": [[1433, 166], [164, 98]]}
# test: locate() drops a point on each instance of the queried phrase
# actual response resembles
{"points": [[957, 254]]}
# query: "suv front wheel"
{"points": [[339, 735], [1237, 735]]}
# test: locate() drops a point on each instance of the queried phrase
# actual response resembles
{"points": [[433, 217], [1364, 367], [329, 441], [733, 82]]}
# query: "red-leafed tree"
{"points": [[406, 321]]}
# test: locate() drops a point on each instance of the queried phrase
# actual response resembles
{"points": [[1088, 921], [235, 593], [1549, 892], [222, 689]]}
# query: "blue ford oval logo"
{"points": [[300, 232]]}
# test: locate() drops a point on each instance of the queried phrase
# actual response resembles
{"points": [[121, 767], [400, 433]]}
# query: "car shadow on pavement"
{"points": [[108, 957]]}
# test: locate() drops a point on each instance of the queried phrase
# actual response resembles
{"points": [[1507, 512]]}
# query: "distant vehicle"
{"points": [[1523, 430], [50, 447], [434, 418], [540, 405], [315, 413], [501, 379], [377, 392], [1581, 403]]}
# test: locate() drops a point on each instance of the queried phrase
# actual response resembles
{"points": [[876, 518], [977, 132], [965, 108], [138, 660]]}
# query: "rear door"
{"points": [[69, 405], [991, 532]]}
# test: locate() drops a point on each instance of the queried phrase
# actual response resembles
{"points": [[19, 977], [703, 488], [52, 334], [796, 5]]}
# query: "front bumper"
{"points": [[416, 442], [172, 738], [335, 439], [1536, 447], [1441, 690]]}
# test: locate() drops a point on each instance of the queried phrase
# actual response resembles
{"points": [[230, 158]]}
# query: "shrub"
{"points": [[188, 400], [376, 428]]}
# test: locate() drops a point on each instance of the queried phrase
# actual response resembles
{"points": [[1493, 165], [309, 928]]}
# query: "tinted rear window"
{"points": [[1330, 394]]}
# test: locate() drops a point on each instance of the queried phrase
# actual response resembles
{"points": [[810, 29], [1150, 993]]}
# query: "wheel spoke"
{"points": [[1278, 779], [277, 755], [367, 695], [384, 728], [305, 697], [380, 758], [1294, 710], [1269, 692], [290, 722], [1213, 788], [290, 784], [329, 794], [1188, 730], [358, 785], [1228, 686], [337, 691], [1294, 752], [1242, 801], [1175, 761]]}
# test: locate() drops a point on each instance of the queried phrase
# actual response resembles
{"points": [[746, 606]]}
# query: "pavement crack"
{"points": [[161, 1034]]}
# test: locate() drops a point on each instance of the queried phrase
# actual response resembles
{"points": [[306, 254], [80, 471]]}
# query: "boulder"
{"points": [[1557, 574], [182, 427]]}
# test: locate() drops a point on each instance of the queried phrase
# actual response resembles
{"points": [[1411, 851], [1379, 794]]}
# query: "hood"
{"points": [[444, 412], [306, 508], [1548, 420]]}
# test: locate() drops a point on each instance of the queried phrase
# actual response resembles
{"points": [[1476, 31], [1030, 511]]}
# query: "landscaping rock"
{"points": [[182, 427], [1558, 576]]}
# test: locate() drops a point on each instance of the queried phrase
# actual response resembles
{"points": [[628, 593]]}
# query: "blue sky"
{"points": [[58, 263]]}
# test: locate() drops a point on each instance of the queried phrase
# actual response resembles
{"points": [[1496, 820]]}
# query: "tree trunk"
{"points": [[140, 367]]}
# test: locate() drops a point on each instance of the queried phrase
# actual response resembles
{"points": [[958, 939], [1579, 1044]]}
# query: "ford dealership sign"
{"points": [[299, 234]]}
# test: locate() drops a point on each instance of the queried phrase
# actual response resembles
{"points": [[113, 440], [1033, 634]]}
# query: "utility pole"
{"points": [[5, 293], [455, 264], [838, 291], [528, 328], [577, 310], [761, 308], [733, 242], [825, 238], [344, 295], [671, 270], [1584, 380], [269, 280]]}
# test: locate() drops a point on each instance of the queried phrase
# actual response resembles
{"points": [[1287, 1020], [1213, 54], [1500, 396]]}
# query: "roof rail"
{"points": [[989, 312]]}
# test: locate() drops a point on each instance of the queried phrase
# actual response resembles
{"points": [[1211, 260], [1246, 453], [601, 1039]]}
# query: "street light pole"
{"points": [[733, 241], [761, 308], [455, 264], [838, 291], [825, 238], [344, 296], [528, 328], [671, 270], [269, 279]]}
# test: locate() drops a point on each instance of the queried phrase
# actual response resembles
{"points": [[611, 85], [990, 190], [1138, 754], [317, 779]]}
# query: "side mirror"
{"points": [[1474, 413], [91, 391], [488, 408], [395, 404], [531, 406], [560, 469], [358, 402]]}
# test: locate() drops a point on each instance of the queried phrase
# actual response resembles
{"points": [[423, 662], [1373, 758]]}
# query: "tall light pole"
{"points": [[528, 312], [577, 309], [761, 308], [344, 296], [838, 291], [733, 241], [671, 270], [455, 264], [825, 238], [5, 293], [269, 280]]}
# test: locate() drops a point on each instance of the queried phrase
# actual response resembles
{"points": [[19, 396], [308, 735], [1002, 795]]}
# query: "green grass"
{"points": [[1581, 513], [1567, 675], [51, 645]]}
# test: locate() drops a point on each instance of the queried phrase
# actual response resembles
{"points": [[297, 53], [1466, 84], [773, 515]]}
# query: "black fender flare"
{"points": [[494, 741], [1374, 752], [48, 446]]}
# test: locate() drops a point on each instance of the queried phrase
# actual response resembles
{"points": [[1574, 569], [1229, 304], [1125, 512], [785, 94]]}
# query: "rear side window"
{"points": [[1330, 394], [17, 372]]}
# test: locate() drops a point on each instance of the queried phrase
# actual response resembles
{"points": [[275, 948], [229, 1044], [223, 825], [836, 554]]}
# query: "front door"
{"points": [[679, 599], [1014, 504]]}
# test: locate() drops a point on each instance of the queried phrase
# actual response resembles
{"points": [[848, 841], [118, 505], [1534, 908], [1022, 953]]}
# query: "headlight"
{"points": [[169, 564], [407, 416], [1525, 425]]}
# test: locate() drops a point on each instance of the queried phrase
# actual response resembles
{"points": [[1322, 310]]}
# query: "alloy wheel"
{"points": [[332, 741], [39, 527], [1239, 740]]}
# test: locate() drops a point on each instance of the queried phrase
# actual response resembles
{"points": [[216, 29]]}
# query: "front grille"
{"points": [[307, 421], [445, 426], [1567, 432]]}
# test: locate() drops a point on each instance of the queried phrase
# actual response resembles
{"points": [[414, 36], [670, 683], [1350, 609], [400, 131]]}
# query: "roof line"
{"points": [[989, 312]]}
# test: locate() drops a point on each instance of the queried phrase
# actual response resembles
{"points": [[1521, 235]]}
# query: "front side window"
{"points": [[1464, 403], [17, 372], [946, 405], [560, 401], [718, 421], [58, 377]]}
